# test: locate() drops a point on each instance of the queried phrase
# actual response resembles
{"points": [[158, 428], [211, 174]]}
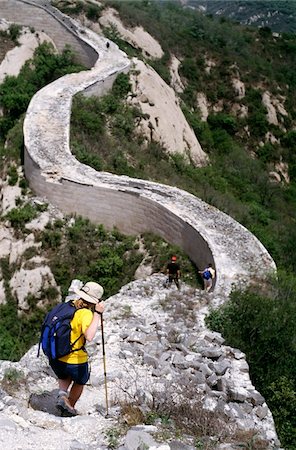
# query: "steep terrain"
{"points": [[277, 15], [163, 364], [276, 113]]}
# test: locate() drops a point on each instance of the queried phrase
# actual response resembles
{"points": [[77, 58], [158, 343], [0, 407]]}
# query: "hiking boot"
{"points": [[65, 408]]}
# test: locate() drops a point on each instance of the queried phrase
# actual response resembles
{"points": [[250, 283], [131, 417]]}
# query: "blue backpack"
{"points": [[207, 274], [56, 330]]}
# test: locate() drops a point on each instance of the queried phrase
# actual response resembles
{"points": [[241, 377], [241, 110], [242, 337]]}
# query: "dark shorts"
{"points": [[79, 373]]}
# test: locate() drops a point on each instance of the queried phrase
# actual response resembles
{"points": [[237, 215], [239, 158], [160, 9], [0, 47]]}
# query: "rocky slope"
{"points": [[160, 358]]}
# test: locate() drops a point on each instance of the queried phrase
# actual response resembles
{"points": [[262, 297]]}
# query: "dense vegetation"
{"points": [[264, 327], [279, 15]]}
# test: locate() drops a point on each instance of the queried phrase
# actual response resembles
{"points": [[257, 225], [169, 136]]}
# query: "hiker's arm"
{"points": [[92, 329]]}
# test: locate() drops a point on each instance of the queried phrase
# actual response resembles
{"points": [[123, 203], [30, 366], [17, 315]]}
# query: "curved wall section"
{"points": [[205, 233]]}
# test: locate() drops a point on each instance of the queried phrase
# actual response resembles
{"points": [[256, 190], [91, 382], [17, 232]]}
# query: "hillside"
{"points": [[279, 16], [235, 87], [238, 89]]}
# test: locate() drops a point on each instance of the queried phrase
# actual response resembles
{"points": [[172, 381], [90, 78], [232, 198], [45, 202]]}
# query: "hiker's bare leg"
{"points": [[75, 393], [209, 285], [64, 384], [63, 400]]}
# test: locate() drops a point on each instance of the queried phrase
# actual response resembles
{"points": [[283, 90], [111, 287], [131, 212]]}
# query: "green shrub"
{"points": [[14, 31], [93, 12], [18, 217], [44, 67], [289, 139], [263, 326], [51, 239], [121, 86], [282, 401], [74, 8], [223, 121], [161, 67], [12, 175]]}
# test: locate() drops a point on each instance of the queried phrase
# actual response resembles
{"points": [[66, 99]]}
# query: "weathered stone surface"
{"points": [[238, 394], [45, 402], [235, 251], [213, 353], [256, 398], [220, 367], [130, 376]]}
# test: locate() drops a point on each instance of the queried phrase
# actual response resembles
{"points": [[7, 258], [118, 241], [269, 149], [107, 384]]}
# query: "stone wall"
{"points": [[48, 19], [206, 234]]}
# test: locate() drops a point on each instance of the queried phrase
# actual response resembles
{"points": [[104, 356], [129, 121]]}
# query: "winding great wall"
{"points": [[132, 205]]}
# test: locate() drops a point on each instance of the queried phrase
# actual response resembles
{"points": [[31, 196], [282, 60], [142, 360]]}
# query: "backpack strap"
{"points": [[72, 344], [80, 348]]}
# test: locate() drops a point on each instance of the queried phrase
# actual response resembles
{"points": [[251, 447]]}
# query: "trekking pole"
{"points": [[104, 361]]}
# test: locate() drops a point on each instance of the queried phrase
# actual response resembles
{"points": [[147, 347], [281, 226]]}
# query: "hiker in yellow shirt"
{"points": [[72, 370]]}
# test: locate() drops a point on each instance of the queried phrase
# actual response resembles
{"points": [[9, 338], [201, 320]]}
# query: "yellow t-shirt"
{"points": [[79, 324]]}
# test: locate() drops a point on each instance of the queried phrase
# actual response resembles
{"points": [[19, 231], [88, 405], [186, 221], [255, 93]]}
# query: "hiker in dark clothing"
{"points": [[208, 274], [173, 272]]}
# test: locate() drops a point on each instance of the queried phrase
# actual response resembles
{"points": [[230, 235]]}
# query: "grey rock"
{"points": [[247, 407], [76, 445], [212, 380], [243, 366], [220, 367], [138, 440], [150, 360], [261, 411], [234, 411], [237, 354], [179, 361], [45, 402], [256, 398], [199, 378], [6, 424], [125, 354], [214, 337], [218, 394], [221, 385], [237, 394], [212, 353], [177, 445], [166, 356], [136, 336], [204, 368]]}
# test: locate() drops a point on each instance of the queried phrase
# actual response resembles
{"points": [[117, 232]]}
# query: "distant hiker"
{"points": [[173, 272], [72, 369], [208, 274]]}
